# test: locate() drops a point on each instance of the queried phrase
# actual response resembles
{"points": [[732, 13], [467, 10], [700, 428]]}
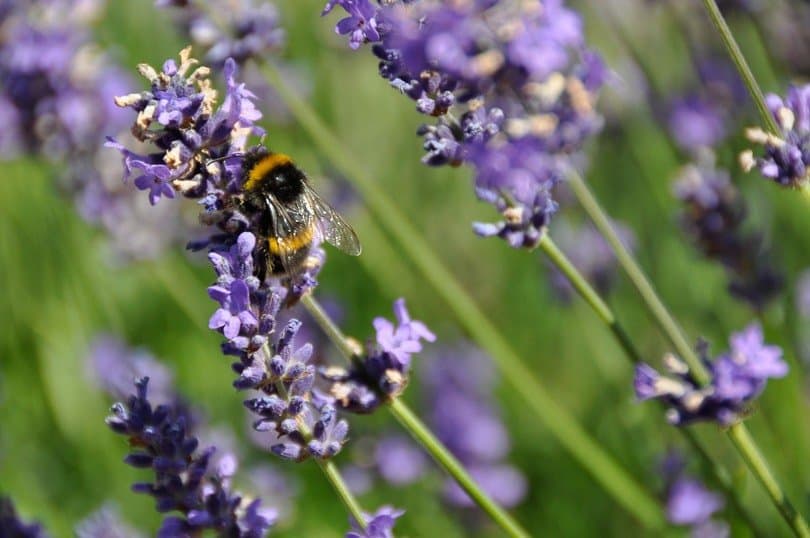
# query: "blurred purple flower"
{"points": [[713, 215], [105, 522], [459, 384], [184, 481], [786, 153], [378, 525], [737, 378], [690, 503], [399, 461], [11, 523], [516, 75], [114, 366], [696, 123], [504, 483]]}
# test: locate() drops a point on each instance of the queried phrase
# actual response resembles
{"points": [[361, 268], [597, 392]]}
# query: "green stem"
{"points": [[328, 467], [659, 312], [419, 431], [604, 312], [590, 295], [333, 475], [394, 222], [449, 463], [739, 435], [741, 64]]}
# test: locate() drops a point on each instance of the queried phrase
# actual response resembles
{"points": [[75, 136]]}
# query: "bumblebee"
{"points": [[288, 214]]}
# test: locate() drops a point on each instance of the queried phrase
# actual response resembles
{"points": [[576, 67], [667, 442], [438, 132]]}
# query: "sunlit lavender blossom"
{"points": [[242, 29], [184, 481], [381, 371], [713, 215], [589, 253], [737, 378], [378, 525], [11, 525], [199, 148], [105, 522], [459, 383], [786, 153], [511, 99]]}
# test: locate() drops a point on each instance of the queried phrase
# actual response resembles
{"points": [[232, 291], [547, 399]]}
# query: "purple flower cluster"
{"points": [[382, 371], [737, 378], [378, 525], [786, 153], [713, 216], [461, 411], [184, 480], [511, 85], [240, 30], [12, 525], [276, 368]]}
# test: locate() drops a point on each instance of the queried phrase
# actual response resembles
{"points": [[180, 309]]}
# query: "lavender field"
{"points": [[408, 268]]}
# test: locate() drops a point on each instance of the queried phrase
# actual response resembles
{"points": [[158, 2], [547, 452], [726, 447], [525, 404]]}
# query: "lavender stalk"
{"points": [[418, 430], [738, 433], [591, 456]]}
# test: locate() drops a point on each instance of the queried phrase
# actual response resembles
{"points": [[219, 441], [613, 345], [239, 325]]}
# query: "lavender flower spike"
{"points": [[382, 371], [737, 378], [183, 481], [787, 153]]}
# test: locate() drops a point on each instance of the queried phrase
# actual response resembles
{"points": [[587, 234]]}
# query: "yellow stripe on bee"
{"points": [[291, 243], [263, 167]]}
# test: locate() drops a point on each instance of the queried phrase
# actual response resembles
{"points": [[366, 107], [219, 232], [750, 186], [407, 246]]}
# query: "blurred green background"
{"points": [[59, 462]]}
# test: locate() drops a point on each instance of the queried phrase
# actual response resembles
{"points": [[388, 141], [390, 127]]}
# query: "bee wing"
{"points": [[284, 228], [336, 231]]}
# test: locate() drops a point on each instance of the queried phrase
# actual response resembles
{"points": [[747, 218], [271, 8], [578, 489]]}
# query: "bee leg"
{"points": [[260, 260]]}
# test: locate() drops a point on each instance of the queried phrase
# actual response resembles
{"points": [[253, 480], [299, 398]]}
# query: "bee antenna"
{"points": [[226, 157]]}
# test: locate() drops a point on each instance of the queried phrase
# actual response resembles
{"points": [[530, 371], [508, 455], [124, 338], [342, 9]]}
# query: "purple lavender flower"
{"points": [[184, 481], [378, 525], [360, 25], [459, 384], [382, 371], [12, 525], [519, 80], [240, 30], [200, 147], [105, 522], [713, 215], [787, 153], [56, 90], [737, 378]]}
